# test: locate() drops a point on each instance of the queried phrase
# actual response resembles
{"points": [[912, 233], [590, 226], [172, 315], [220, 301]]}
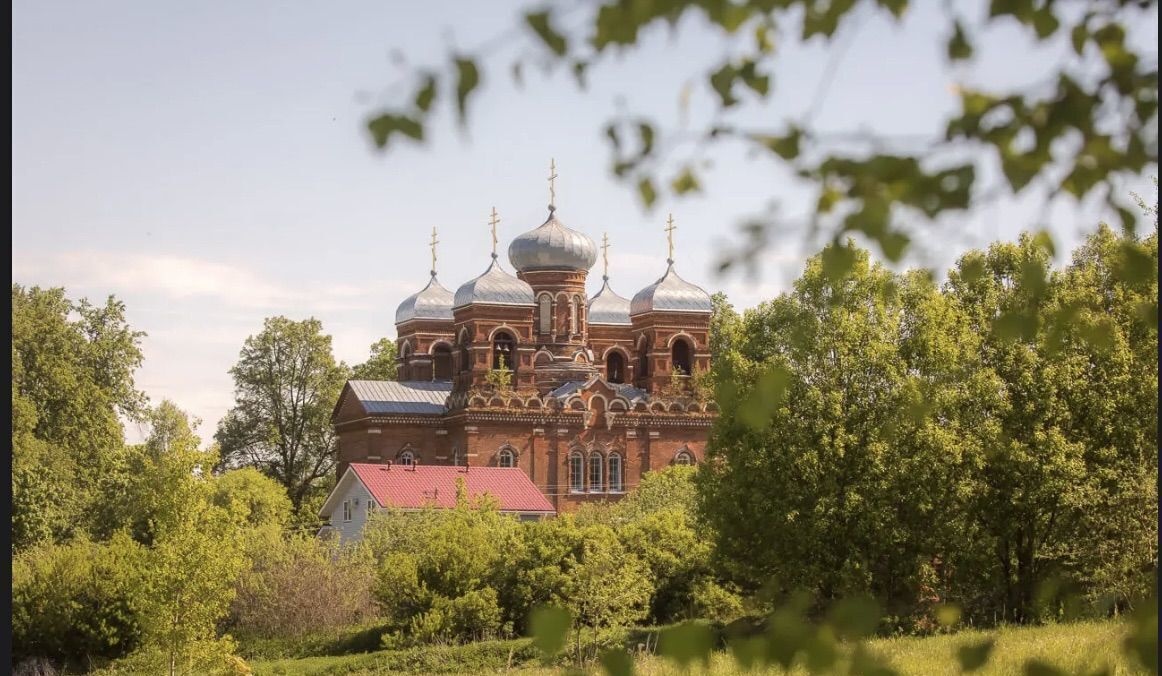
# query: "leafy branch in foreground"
{"points": [[1090, 121]]}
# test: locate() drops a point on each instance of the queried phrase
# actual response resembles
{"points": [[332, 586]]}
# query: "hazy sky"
{"points": [[207, 162]]}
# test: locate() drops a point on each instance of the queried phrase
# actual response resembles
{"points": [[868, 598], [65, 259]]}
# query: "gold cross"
{"points": [[433, 245], [493, 220], [670, 228], [552, 183], [605, 253]]}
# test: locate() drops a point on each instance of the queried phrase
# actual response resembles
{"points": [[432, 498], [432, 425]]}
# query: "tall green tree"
{"points": [[380, 365], [286, 383]]}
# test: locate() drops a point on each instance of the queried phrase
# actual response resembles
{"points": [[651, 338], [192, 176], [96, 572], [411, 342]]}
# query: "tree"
{"points": [[608, 587], [253, 498], [380, 365], [863, 181], [286, 382]]}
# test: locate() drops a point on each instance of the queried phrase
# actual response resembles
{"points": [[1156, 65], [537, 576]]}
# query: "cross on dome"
{"points": [[552, 184], [492, 221], [605, 255], [433, 244], [670, 228]]}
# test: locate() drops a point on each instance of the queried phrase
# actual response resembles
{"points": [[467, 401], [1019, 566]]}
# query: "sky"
{"points": [[207, 163]]}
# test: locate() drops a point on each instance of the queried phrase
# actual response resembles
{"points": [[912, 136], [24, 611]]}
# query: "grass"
{"points": [[1085, 646]]}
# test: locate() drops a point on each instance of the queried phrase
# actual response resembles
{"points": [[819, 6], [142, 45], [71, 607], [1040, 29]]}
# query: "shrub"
{"points": [[713, 601], [303, 585], [75, 602]]}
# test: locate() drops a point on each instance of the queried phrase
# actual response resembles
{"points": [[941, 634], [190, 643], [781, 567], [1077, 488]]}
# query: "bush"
{"points": [[713, 601], [475, 616], [75, 602], [303, 585]]}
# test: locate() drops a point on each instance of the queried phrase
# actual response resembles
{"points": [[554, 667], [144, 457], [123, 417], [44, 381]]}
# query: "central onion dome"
{"points": [[671, 293], [431, 302], [552, 246], [494, 287]]}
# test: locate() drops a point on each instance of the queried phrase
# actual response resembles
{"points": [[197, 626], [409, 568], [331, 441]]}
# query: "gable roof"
{"points": [[417, 486], [406, 396]]}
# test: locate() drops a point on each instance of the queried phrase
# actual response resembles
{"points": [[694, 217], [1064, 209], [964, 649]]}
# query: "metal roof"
{"points": [[551, 246], [409, 396], [608, 308], [671, 293], [420, 485], [494, 287], [431, 302]]}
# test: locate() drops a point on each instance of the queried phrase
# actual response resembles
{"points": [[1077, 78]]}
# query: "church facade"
{"points": [[522, 370]]}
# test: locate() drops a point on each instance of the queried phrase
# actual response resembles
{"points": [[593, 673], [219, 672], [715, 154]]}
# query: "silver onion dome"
{"points": [[552, 246], [671, 293], [494, 287], [608, 308], [431, 302]]}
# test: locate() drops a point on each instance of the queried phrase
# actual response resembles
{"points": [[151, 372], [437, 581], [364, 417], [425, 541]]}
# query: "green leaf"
{"points": [[974, 655], [685, 182], [767, 395], [1043, 240], [855, 618], [426, 94], [385, 126], [893, 244], [758, 83], [542, 26], [686, 643], [896, 7], [549, 626], [959, 48], [1078, 36], [646, 134], [467, 80], [1045, 23], [749, 653], [1133, 264], [947, 614], [972, 269], [579, 68], [1037, 667], [617, 662], [837, 260], [788, 635], [722, 81], [646, 191], [1013, 326], [786, 147]]}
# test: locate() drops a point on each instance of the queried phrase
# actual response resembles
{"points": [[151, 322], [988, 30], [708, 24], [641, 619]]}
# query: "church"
{"points": [[584, 395]]}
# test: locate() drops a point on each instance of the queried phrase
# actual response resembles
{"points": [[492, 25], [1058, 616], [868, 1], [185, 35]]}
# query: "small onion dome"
{"points": [[552, 246], [494, 287], [608, 308], [671, 293], [432, 302]]}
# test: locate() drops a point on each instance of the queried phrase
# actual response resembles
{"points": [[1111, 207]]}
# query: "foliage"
{"points": [[500, 378], [286, 382], [252, 497], [380, 365], [302, 585], [1059, 133], [609, 586], [76, 602], [72, 375], [474, 658]]}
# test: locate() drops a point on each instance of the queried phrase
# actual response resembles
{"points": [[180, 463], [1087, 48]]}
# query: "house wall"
{"points": [[349, 531]]}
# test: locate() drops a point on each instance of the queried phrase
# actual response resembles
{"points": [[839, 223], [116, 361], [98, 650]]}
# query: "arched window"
{"points": [[643, 368], [465, 354], [503, 348], [615, 367], [456, 456], [442, 362], [573, 316], [576, 473], [684, 458], [616, 481], [407, 458], [506, 458], [596, 478], [680, 357], [545, 314]]}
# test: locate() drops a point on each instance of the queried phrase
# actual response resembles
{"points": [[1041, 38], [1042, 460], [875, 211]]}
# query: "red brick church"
{"points": [[599, 389]]}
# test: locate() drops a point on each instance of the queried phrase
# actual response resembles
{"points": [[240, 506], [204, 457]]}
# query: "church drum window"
{"points": [[506, 458], [545, 315], [644, 360], [503, 347], [616, 480], [441, 363], [576, 473], [573, 317], [596, 480], [615, 368], [680, 357]]}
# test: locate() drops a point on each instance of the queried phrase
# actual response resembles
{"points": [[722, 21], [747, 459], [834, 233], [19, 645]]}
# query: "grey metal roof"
{"points": [[630, 392], [552, 246], [671, 293], [431, 302], [566, 389], [408, 396], [608, 308], [626, 390], [494, 287]]}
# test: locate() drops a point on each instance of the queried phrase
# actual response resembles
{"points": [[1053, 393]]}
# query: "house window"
{"points": [[545, 314], [506, 458], [616, 484], [346, 510], [596, 480], [615, 368], [684, 458], [372, 505], [407, 458], [576, 473]]}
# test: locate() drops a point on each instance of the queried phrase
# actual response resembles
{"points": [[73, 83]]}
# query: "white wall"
{"points": [[352, 530]]}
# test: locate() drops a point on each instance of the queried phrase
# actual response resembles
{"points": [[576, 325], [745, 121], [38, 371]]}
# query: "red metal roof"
{"points": [[416, 486]]}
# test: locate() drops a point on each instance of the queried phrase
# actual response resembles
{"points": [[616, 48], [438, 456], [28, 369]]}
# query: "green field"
{"points": [[1086, 646]]}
